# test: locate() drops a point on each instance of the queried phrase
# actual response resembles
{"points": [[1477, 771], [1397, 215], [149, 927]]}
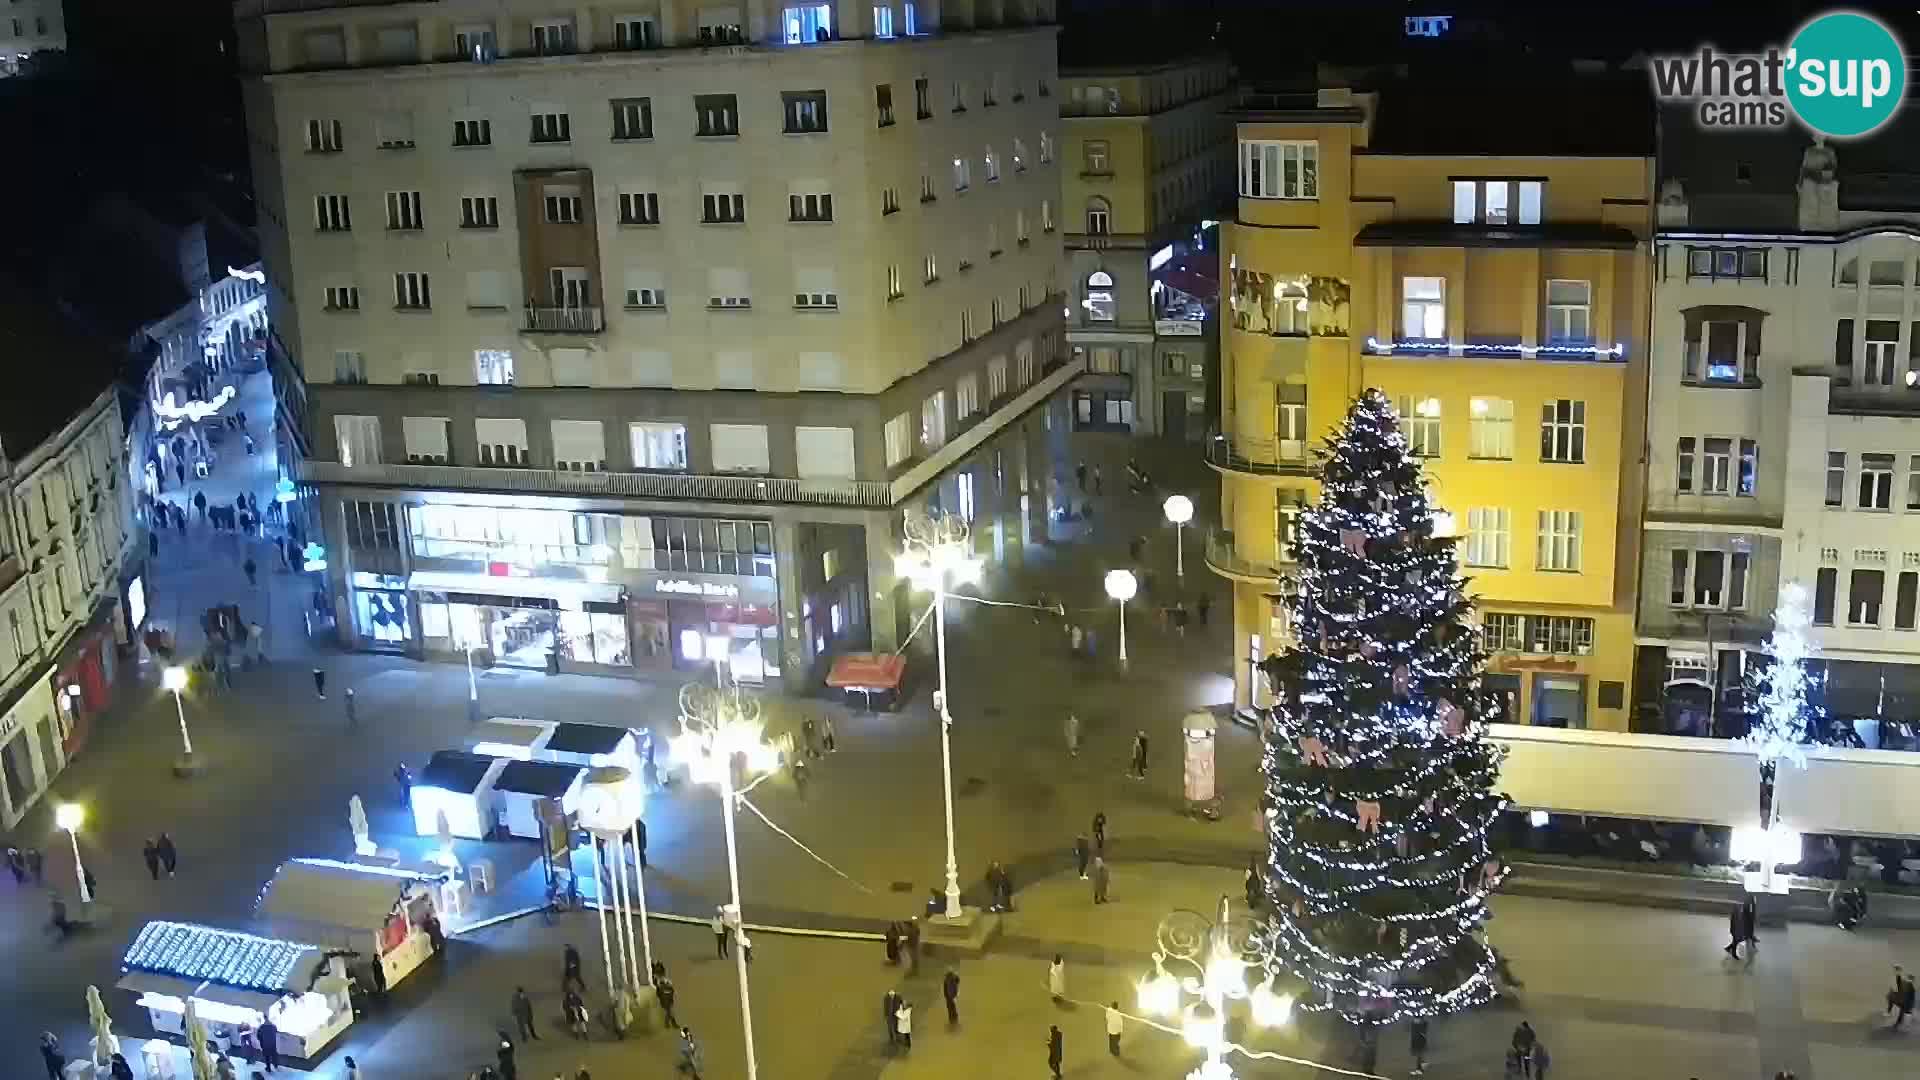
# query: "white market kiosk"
{"points": [[378, 911], [237, 980], [460, 784], [520, 786], [511, 737]]}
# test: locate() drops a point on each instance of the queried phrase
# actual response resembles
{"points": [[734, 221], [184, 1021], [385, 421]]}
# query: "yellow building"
{"points": [[1502, 300]]}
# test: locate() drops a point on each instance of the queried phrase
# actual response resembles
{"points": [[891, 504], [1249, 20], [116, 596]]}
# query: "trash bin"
{"points": [[480, 876]]}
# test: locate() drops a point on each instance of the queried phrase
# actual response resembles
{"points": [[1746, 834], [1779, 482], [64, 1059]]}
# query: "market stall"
{"points": [[379, 912], [876, 677], [595, 745], [511, 737], [236, 982], [459, 784], [522, 785]]}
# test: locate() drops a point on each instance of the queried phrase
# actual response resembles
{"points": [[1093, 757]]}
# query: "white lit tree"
{"points": [[1782, 719], [1379, 778]]}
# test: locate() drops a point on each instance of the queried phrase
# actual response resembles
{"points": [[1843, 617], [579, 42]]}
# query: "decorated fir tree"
{"points": [[1379, 780], [1782, 719]]}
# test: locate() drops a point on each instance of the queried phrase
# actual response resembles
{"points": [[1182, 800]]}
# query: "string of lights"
{"points": [[814, 855], [192, 951]]}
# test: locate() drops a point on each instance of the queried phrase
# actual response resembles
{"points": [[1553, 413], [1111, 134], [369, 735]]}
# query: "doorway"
{"points": [[1173, 414]]}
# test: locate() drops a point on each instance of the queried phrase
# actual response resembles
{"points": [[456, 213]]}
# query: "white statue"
{"points": [[105, 1043], [357, 820]]}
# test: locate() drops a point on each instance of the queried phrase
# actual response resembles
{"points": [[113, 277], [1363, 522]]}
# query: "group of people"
{"points": [[160, 856], [1527, 1056]]}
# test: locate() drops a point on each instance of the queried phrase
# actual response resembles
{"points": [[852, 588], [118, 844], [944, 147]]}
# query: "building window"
{"points": [[493, 367], [635, 32], [403, 210], [1563, 432], [996, 378], [1019, 155], [343, 298], [1423, 312], [739, 448], [393, 131], [473, 132], [1913, 482], [1046, 215], [962, 173], [727, 288], [551, 125], [1825, 585], [1489, 538], [1502, 632], [993, 165], [716, 114], [1100, 305], [1097, 154], [1420, 425], [1887, 273], [1865, 590], [563, 205], [358, 440], [883, 20], [639, 208], [1722, 353], [645, 289], [1876, 481], [475, 43], [811, 206], [966, 396], [411, 291], [349, 366], [894, 289], [1727, 263], [1279, 170], [889, 201], [632, 118], [1559, 541], [1290, 420], [1562, 635], [922, 105], [1836, 477], [1747, 481], [1716, 466], [1709, 579], [658, 445], [1883, 341], [815, 290], [552, 37], [883, 95], [324, 137], [899, 439], [331, 213], [1569, 311], [479, 212], [1046, 148], [933, 421], [1490, 428], [1905, 589], [930, 272], [805, 23], [723, 207], [1491, 202], [1099, 217], [805, 110]]}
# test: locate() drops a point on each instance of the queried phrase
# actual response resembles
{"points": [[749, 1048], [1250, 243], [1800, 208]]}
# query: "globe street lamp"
{"points": [[1179, 510], [70, 816], [938, 557], [1218, 954], [1121, 585], [720, 728]]}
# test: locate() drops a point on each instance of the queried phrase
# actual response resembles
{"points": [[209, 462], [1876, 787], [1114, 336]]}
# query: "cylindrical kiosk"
{"points": [[1199, 731]]}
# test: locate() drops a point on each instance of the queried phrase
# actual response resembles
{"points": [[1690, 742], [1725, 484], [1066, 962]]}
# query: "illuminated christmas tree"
{"points": [[1379, 778], [1783, 720]]}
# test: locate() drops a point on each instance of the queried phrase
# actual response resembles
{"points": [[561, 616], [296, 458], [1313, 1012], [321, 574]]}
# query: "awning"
{"points": [[541, 779], [146, 982], [558, 589], [588, 739], [868, 671], [243, 999]]}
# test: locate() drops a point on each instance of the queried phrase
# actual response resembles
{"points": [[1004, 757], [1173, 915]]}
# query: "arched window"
{"points": [[1099, 216], [1100, 296]]}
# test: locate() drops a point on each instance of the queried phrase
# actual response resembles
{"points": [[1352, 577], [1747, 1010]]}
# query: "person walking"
{"points": [[1523, 1040], [903, 1020], [149, 853], [810, 738], [1098, 485], [320, 684], [570, 970], [913, 946], [353, 714], [719, 927], [353, 1069], [169, 855], [1202, 605], [689, 1054], [890, 1014], [663, 992], [826, 733], [269, 1035], [1099, 831], [1073, 734], [257, 636], [404, 777], [1115, 1023], [745, 944], [503, 1053], [1736, 931], [119, 1069], [51, 1055], [1252, 883], [1417, 1046], [1080, 853], [1539, 1060], [1139, 755], [523, 1014], [1080, 475], [1101, 879], [574, 1008], [1057, 979], [800, 776], [37, 865], [1900, 997], [153, 543], [200, 504], [1750, 921], [950, 990], [893, 943], [252, 569], [1056, 1049]]}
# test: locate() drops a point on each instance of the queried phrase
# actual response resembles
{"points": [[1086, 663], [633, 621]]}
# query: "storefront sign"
{"points": [[1177, 327], [1518, 663], [682, 587]]}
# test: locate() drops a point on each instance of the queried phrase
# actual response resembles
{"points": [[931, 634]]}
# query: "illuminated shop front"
{"points": [[518, 621]]}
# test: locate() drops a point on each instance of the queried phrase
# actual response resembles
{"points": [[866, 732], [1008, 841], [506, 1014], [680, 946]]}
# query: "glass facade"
{"points": [[533, 538]]}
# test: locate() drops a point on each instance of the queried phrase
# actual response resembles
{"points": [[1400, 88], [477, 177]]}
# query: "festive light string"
{"points": [[1234, 1047], [744, 801]]}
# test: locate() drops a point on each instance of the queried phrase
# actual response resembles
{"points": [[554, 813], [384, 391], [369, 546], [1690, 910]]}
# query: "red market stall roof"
{"points": [[867, 671]]}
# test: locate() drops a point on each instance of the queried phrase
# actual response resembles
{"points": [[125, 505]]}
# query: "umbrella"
{"points": [[197, 1052], [105, 1045]]}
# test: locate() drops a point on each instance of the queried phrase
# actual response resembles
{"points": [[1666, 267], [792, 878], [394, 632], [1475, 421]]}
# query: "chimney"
{"points": [[1672, 209], [1819, 187]]}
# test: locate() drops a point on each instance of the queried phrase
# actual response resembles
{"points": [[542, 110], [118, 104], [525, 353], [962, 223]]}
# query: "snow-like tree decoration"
{"points": [[1783, 721], [1379, 780]]}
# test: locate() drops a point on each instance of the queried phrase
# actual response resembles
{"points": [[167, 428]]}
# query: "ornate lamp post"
{"points": [[721, 730], [175, 679], [938, 557], [609, 805], [1179, 510], [1218, 954], [1121, 585], [70, 816]]}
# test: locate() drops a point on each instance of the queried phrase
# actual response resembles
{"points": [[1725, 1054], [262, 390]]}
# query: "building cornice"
{"points": [[1734, 236]]}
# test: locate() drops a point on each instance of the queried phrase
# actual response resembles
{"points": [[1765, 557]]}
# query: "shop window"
{"points": [[658, 445], [372, 526]]}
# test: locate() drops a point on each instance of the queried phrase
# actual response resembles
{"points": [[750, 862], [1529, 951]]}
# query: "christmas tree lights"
{"points": [[192, 951], [1379, 779], [1782, 718]]}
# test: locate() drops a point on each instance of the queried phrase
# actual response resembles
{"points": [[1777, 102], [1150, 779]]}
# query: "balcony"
{"points": [[1262, 457], [1224, 557], [636, 485], [565, 320]]}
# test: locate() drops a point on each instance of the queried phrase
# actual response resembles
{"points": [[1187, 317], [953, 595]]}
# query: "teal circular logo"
{"points": [[1846, 74]]}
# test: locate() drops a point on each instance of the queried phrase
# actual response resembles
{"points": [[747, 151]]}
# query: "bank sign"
{"points": [[1842, 75]]}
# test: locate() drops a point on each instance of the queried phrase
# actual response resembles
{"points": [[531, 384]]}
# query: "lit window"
{"points": [[1420, 424], [1569, 311], [1559, 541], [1489, 538], [1100, 306], [1490, 428], [1279, 170], [805, 23], [1424, 310]]}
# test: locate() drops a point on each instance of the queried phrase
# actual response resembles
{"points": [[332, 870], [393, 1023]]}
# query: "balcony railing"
{"points": [[1225, 557], [1267, 457], [565, 320], [637, 485]]}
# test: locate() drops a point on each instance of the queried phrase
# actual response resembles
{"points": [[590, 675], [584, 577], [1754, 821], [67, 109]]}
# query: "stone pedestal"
{"points": [[187, 766], [970, 931]]}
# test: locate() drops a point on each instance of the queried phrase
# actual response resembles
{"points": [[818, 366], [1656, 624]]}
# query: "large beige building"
{"points": [[28, 27], [630, 326], [1147, 152]]}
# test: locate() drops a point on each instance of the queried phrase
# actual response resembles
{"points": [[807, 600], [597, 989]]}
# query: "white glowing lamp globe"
{"points": [[1122, 585], [1159, 994], [1179, 509], [1270, 1009], [70, 816], [1203, 1026], [1226, 974], [174, 678]]}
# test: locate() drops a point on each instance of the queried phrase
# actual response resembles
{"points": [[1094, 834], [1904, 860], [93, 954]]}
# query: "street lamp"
{"points": [[70, 816], [1121, 585], [1179, 510], [939, 557], [719, 727], [175, 679], [1219, 954]]}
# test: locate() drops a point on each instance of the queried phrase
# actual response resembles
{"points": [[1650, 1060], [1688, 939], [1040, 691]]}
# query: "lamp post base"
{"points": [[969, 931], [187, 765]]}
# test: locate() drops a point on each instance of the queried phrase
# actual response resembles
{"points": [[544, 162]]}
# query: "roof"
{"points": [[1548, 114], [226, 957], [333, 894], [456, 770], [586, 739], [56, 368], [546, 779], [1447, 234]]}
